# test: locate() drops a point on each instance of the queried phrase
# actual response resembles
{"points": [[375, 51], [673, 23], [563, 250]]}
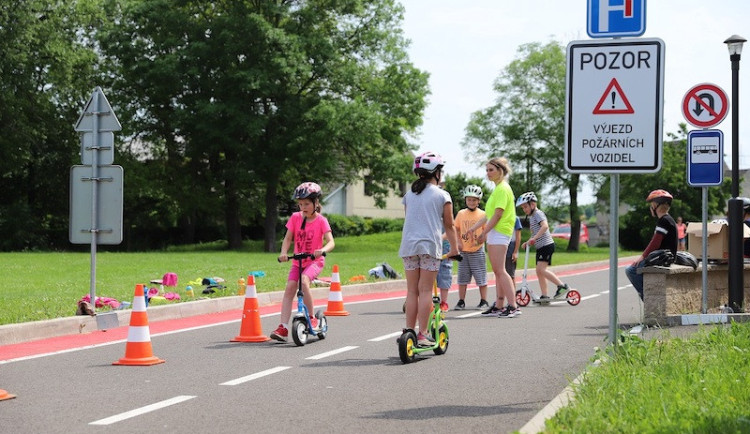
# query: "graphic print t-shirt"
{"points": [[310, 238]]}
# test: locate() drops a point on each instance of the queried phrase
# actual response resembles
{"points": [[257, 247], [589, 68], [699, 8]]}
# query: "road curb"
{"points": [[36, 330], [536, 424]]}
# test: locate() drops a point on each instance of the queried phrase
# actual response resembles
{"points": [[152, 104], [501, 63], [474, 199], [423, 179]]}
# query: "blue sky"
{"points": [[465, 44]]}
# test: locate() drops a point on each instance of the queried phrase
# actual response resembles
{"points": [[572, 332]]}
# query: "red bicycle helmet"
{"points": [[660, 197]]}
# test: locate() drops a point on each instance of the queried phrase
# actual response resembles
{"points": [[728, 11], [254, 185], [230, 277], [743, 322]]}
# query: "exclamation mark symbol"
{"points": [[613, 99]]}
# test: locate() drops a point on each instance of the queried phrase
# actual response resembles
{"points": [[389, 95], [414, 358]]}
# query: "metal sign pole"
{"points": [[704, 251], [614, 202], [94, 196]]}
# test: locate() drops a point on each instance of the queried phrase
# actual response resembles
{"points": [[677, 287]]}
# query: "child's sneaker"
{"points": [[561, 291], [461, 305], [280, 334], [509, 312], [493, 311], [543, 299], [444, 306], [483, 304], [424, 340], [314, 322]]}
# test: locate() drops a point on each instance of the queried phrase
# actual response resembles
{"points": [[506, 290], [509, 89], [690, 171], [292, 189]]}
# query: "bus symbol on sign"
{"points": [[708, 153]]}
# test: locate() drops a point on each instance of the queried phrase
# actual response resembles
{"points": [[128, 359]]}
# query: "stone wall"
{"points": [[677, 290]]}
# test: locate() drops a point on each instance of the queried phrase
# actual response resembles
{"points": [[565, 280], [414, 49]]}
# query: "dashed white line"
{"points": [[468, 315], [384, 337], [255, 376], [143, 410], [331, 353]]}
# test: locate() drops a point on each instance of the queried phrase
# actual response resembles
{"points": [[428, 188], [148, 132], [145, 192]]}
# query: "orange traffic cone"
{"points": [[138, 351], [335, 296], [5, 395], [250, 328]]}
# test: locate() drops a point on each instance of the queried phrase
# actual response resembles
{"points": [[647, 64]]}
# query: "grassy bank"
{"points": [[44, 285], [666, 385]]}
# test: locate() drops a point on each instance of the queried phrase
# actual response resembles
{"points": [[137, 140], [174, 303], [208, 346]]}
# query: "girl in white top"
{"points": [[429, 211]]}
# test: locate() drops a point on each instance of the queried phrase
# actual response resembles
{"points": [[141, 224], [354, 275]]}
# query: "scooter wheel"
{"points": [[442, 340], [403, 308], [573, 297], [406, 344], [322, 324], [521, 299], [299, 331]]}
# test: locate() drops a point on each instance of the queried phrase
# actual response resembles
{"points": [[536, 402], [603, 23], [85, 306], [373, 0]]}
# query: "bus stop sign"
{"points": [[705, 165]]}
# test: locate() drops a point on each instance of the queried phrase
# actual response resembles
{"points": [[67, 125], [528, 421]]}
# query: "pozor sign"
{"points": [[613, 106]]}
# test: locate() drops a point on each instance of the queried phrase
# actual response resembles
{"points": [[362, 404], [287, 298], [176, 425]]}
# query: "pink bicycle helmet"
{"points": [[307, 190], [429, 161]]}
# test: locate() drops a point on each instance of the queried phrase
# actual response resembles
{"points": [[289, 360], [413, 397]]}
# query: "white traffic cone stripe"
{"points": [[335, 296], [139, 304], [250, 291], [335, 277], [139, 334]]}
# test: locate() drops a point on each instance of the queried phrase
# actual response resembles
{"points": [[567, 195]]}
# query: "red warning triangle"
{"points": [[613, 101]]}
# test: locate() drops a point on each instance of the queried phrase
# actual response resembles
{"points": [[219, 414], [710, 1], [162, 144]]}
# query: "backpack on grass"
{"points": [[383, 271]]}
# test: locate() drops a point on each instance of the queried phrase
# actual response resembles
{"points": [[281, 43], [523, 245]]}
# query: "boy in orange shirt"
{"points": [[474, 262]]}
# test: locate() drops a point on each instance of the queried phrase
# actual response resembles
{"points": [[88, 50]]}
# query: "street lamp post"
{"points": [[736, 262]]}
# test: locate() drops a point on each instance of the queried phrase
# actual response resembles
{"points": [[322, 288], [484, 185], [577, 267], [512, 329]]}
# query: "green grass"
{"points": [[44, 285], [666, 385]]}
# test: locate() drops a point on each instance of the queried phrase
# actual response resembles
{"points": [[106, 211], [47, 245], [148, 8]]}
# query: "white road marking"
{"points": [[582, 298], [119, 341], [470, 314], [331, 353], [255, 376], [384, 337], [143, 410]]}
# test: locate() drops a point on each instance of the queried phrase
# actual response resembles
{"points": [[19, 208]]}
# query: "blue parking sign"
{"points": [[615, 18], [705, 158]]}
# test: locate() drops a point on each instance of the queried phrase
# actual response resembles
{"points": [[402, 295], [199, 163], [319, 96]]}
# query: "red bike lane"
{"points": [[73, 342]]}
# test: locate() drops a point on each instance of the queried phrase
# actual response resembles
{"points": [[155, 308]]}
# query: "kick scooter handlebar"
{"points": [[300, 256], [458, 257]]}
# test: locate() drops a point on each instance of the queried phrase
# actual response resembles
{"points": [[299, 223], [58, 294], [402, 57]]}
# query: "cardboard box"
{"points": [[718, 240]]}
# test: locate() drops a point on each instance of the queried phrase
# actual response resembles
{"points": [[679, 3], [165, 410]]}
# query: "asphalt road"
{"points": [[496, 375]]}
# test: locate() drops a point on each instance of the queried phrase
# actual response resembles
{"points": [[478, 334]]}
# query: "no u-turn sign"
{"points": [[613, 106]]}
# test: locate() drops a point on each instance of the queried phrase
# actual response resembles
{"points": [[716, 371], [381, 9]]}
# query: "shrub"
{"points": [[343, 226], [382, 225]]}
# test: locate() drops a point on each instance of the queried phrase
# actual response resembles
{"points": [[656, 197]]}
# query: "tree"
{"points": [[46, 69], [527, 125], [254, 97]]}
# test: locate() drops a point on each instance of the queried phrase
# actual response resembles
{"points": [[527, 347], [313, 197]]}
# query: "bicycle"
{"points": [[301, 325], [524, 293], [408, 346]]}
